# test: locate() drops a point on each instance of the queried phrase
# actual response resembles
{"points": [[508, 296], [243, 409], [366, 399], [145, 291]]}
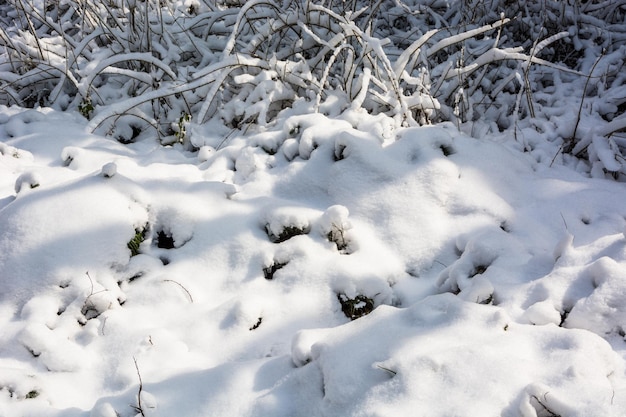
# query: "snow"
{"points": [[482, 279], [470, 356]]}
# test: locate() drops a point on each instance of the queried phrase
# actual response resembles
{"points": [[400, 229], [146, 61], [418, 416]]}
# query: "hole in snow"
{"points": [[134, 277], [270, 150], [412, 272], [488, 300], [480, 269], [164, 240], [564, 315], [128, 135], [33, 352], [32, 394], [339, 152], [447, 150]]}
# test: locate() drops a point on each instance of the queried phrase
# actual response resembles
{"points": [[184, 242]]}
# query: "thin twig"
{"points": [[392, 372], [181, 286], [139, 407], [582, 100], [549, 411], [564, 222], [104, 323], [91, 282]]}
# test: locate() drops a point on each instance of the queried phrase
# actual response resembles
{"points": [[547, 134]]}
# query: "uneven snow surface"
{"points": [[147, 280]]}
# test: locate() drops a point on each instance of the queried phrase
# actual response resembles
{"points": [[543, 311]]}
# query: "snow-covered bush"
{"points": [[135, 67], [585, 108], [264, 55]]}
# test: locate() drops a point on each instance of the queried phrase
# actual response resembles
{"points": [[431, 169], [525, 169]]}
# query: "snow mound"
{"points": [[449, 356], [472, 356], [305, 269]]}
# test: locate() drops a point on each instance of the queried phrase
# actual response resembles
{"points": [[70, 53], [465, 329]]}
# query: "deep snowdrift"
{"points": [[222, 282]]}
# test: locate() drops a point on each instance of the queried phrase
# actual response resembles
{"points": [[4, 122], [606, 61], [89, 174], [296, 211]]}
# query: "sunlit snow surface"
{"points": [[499, 282]]}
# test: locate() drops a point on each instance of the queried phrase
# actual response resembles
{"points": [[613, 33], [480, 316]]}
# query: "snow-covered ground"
{"points": [[147, 280]]}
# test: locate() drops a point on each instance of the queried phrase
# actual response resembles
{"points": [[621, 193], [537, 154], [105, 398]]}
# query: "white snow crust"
{"points": [[147, 280]]}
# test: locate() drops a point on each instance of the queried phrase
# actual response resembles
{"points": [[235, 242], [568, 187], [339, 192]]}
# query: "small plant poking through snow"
{"points": [[32, 394], [334, 225], [269, 271], [337, 236], [28, 180], [96, 303], [180, 127], [135, 242], [284, 223], [86, 107], [279, 233], [285, 233], [139, 408], [356, 307]]}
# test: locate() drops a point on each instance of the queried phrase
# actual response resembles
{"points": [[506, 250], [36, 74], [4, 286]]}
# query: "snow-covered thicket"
{"points": [[157, 67]]}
